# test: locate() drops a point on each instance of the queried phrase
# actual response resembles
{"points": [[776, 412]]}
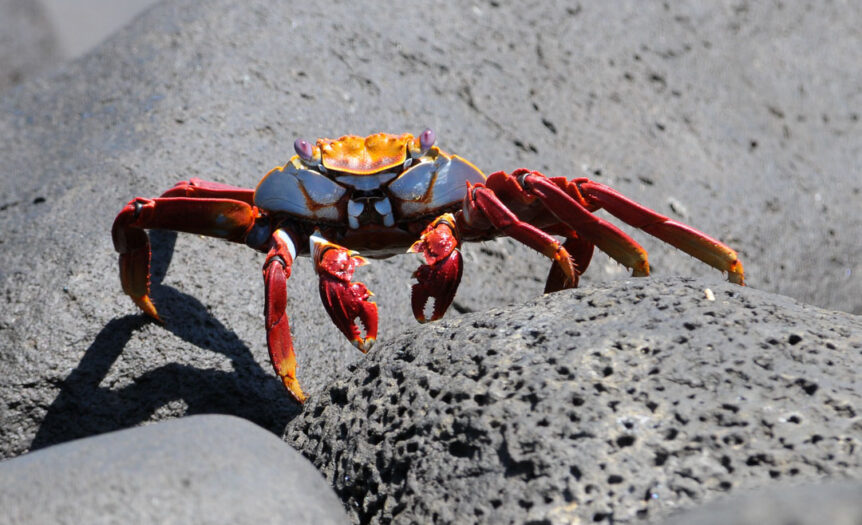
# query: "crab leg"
{"points": [[481, 204], [578, 217], [224, 218], [276, 271], [345, 301], [684, 237], [573, 203], [198, 188], [440, 275], [581, 251]]}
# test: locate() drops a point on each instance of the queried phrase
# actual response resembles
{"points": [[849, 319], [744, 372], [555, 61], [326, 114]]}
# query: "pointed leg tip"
{"points": [[566, 264], [736, 274], [147, 306], [292, 386], [364, 345], [641, 270]]}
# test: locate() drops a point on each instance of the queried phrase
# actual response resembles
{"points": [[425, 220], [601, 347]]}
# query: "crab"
{"points": [[384, 194]]}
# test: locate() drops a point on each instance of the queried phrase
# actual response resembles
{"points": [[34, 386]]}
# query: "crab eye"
{"points": [[426, 139], [303, 149]]}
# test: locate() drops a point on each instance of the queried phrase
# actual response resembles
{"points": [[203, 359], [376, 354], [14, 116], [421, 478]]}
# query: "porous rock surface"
{"points": [[202, 469], [611, 404]]}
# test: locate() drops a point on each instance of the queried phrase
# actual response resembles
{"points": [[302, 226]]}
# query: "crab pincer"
{"points": [[344, 301], [440, 276]]}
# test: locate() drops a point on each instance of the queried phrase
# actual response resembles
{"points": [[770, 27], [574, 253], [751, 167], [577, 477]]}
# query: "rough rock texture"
{"points": [[740, 119], [27, 41], [833, 503], [613, 404], [205, 469]]}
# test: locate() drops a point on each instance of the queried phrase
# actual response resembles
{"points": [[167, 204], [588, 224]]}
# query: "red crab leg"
{"points": [[276, 271], [440, 275], [684, 237], [578, 217], [581, 251], [481, 203], [198, 188], [345, 301], [224, 218]]}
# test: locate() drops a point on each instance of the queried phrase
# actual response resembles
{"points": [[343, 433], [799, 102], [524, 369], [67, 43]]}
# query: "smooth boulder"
{"points": [[201, 469], [750, 139]]}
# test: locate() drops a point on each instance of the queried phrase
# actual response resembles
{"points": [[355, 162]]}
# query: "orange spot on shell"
{"points": [[364, 155]]}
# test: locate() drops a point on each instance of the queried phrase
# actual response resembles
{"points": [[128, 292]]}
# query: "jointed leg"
{"points": [[203, 189], [276, 271], [575, 214], [223, 218], [482, 205], [581, 252], [684, 237], [572, 203]]}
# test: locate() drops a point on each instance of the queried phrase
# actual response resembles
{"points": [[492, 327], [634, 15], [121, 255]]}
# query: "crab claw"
{"points": [[344, 301], [440, 276]]}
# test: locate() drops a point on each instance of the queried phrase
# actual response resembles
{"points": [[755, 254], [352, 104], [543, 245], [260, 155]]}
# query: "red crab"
{"points": [[379, 195]]}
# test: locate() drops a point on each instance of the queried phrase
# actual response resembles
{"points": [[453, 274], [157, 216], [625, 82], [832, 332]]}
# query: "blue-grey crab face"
{"points": [[379, 179], [303, 191], [433, 186]]}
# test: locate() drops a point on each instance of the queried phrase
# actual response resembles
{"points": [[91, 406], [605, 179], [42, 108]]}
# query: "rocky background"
{"points": [[623, 401], [28, 44]]}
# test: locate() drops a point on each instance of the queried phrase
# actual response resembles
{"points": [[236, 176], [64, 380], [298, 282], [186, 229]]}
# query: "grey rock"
{"points": [[202, 469], [27, 42], [812, 504], [82, 24], [612, 404], [745, 118]]}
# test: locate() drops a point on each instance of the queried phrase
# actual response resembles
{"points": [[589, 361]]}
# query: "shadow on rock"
{"points": [[85, 407]]}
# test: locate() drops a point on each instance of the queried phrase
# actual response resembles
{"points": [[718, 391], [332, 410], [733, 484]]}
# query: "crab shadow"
{"points": [[85, 406]]}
